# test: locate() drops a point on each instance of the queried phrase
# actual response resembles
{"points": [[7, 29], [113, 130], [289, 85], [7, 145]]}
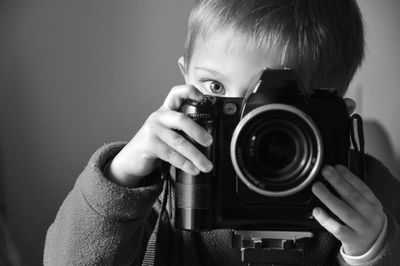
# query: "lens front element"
{"points": [[276, 150]]}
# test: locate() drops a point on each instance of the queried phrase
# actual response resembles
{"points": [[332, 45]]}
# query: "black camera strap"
{"points": [[151, 250], [358, 147]]}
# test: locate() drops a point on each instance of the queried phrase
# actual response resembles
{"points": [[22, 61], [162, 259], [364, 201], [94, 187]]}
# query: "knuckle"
{"points": [[174, 158], [178, 140], [189, 87], [355, 197], [186, 165], [328, 196], [335, 179], [172, 155], [175, 89], [178, 90], [337, 229], [364, 191], [148, 127], [153, 116], [148, 141], [350, 215], [180, 118]]}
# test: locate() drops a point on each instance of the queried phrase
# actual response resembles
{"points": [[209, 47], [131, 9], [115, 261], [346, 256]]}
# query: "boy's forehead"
{"points": [[229, 42], [229, 47]]}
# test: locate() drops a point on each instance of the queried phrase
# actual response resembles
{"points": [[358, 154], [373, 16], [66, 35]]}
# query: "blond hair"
{"points": [[322, 38]]}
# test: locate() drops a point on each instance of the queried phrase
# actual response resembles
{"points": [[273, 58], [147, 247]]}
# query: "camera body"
{"points": [[267, 152]]}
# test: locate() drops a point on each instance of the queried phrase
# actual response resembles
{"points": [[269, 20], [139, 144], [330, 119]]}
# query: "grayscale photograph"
{"points": [[200, 132]]}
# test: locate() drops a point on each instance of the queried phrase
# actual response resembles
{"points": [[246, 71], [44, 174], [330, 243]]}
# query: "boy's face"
{"points": [[221, 67]]}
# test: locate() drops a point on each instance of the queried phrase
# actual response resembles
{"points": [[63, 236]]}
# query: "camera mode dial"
{"points": [[199, 110], [207, 100]]}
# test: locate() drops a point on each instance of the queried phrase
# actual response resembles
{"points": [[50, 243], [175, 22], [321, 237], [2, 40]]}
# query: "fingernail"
{"points": [[340, 168], [209, 140], [316, 187], [195, 171], [208, 166], [316, 212]]}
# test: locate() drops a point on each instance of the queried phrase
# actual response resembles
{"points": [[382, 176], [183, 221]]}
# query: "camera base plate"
{"points": [[270, 247]]}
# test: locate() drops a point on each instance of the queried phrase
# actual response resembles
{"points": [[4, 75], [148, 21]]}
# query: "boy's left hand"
{"points": [[358, 208]]}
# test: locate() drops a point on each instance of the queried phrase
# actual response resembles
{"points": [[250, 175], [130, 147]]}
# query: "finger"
{"points": [[185, 148], [342, 210], [358, 184], [337, 229], [179, 93], [348, 193], [168, 154], [179, 121]]}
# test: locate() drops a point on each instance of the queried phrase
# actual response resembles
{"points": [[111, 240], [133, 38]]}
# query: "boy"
{"points": [[108, 216]]}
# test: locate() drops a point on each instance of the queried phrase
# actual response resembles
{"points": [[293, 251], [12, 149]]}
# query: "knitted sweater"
{"points": [[102, 223]]}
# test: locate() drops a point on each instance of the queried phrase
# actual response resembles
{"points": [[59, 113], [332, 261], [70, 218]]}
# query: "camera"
{"points": [[268, 149]]}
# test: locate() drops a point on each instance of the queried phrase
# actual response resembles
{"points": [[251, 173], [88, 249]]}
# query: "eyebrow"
{"points": [[212, 71]]}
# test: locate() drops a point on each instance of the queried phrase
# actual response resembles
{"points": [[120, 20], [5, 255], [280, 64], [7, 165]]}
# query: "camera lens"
{"points": [[276, 150]]}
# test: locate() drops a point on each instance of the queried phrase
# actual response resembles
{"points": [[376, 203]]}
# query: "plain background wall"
{"points": [[376, 87], [77, 74]]}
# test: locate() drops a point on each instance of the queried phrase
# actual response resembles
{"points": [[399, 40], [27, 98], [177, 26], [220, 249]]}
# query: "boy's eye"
{"points": [[215, 87]]}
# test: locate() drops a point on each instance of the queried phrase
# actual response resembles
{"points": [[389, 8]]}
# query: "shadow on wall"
{"points": [[2, 190], [379, 145], [9, 254]]}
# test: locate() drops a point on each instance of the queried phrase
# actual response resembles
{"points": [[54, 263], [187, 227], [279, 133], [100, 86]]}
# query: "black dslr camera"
{"points": [[268, 150]]}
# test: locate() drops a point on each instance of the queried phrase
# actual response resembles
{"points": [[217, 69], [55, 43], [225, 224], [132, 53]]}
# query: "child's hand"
{"points": [[157, 139], [358, 208]]}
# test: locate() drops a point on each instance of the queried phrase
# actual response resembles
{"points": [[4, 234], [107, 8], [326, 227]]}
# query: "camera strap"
{"points": [[270, 248], [151, 250], [358, 147]]}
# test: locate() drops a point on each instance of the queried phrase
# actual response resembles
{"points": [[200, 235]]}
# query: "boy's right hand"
{"points": [[157, 139]]}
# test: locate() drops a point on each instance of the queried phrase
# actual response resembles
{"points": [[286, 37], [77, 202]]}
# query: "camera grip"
{"points": [[193, 198]]}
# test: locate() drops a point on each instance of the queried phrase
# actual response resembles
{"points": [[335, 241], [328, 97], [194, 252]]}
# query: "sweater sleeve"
{"points": [[387, 189], [100, 222]]}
